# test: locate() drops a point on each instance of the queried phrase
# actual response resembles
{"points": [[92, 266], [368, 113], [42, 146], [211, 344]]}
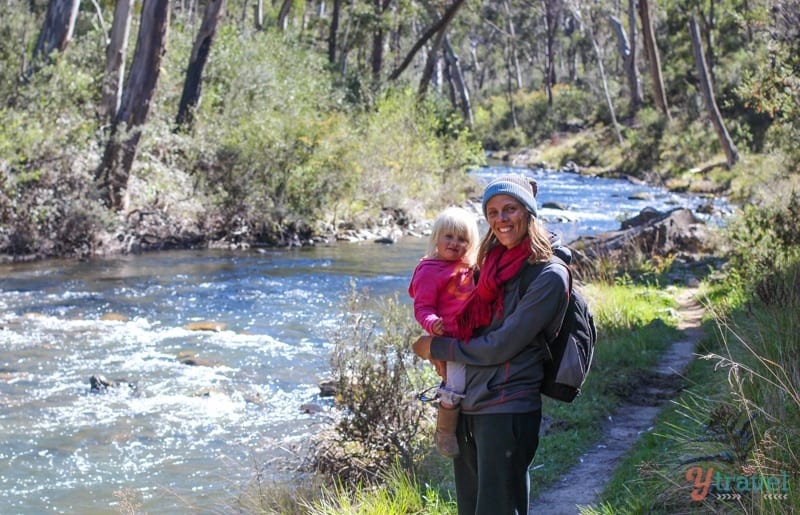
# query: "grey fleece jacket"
{"points": [[504, 363]]}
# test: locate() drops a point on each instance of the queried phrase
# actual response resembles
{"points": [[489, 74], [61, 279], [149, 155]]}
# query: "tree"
{"points": [[113, 77], [552, 15], [455, 74], [57, 30], [435, 28], [653, 60], [334, 31], [378, 38], [627, 48], [587, 25], [192, 86], [731, 154], [112, 175]]}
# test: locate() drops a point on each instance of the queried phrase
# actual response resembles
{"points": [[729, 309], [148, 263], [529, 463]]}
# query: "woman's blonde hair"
{"points": [[460, 222]]}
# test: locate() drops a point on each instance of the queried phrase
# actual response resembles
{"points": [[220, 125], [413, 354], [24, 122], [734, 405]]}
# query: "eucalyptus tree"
{"points": [[57, 30], [114, 74], [731, 154], [653, 57], [197, 60], [113, 173]]}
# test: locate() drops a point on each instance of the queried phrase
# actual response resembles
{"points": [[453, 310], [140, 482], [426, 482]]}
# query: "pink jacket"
{"points": [[439, 289]]}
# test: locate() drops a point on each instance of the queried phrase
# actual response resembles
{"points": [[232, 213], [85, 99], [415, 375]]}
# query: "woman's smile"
{"points": [[508, 220]]}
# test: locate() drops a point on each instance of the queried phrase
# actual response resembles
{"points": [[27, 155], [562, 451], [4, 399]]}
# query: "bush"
{"points": [[377, 379]]}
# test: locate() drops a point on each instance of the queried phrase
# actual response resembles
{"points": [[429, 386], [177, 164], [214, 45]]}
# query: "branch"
{"points": [[436, 27]]}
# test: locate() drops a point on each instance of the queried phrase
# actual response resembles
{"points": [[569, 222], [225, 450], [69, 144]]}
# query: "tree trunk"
{"points": [[653, 60], [459, 83], [430, 62], [193, 84], [334, 29], [114, 75], [552, 10], [259, 14], [283, 14], [57, 30], [112, 175], [602, 69], [512, 48], [627, 51], [441, 25], [731, 154], [378, 39]]}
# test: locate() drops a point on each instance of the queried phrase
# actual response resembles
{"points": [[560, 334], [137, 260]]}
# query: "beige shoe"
{"points": [[445, 436]]}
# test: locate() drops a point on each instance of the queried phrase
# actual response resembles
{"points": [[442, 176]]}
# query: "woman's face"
{"points": [[508, 220]]}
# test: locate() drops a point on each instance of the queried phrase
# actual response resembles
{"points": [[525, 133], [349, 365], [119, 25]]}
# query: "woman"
{"points": [[498, 429]]}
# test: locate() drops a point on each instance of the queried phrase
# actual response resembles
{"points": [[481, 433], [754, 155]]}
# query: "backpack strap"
{"points": [[531, 272]]}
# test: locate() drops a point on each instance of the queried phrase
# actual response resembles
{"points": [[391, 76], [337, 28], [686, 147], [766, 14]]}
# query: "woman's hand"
{"points": [[422, 347]]}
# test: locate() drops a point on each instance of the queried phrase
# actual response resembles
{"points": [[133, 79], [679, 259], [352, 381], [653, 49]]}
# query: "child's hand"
{"points": [[438, 328]]}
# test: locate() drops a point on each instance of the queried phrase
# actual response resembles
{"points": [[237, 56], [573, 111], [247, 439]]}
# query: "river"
{"points": [[188, 438]]}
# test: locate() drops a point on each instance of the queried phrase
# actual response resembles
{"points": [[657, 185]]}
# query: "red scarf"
{"points": [[486, 300]]}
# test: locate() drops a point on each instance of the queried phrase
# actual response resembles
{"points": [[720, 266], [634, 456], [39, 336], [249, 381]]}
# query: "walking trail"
{"points": [[581, 485]]}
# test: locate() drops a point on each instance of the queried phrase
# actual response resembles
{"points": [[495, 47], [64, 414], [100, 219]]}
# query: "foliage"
{"points": [[377, 378], [533, 119], [398, 493], [47, 157], [765, 240]]}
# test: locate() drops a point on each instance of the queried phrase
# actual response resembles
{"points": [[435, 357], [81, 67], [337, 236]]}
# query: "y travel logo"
{"points": [[733, 486]]}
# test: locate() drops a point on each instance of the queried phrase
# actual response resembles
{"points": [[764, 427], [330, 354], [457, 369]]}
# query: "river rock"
{"points": [[196, 362], [327, 388], [114, 317], [205, 325], [554, 205], [652, 233], [311, 409], [101, 384]]}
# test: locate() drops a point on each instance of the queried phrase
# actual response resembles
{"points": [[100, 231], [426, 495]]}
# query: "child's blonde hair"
{"points": [[460, 222]]}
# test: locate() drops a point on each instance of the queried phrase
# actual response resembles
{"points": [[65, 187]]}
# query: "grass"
{"points": [[739, 416]]}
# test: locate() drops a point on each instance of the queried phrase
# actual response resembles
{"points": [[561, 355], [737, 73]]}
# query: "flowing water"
{"points": [[188, 438]]}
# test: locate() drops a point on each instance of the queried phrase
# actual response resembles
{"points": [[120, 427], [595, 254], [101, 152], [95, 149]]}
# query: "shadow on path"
{"points": [[580, 486]]}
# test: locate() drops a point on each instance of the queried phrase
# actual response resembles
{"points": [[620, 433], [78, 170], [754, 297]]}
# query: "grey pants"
{"points": [[452, 391], [491, 472]]}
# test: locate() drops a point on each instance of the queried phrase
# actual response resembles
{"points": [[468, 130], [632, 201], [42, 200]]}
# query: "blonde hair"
{"points": [[460, 222], [541, 250]]}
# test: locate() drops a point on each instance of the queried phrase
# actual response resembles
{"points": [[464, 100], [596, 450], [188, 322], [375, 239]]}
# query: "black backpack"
{"points": [[572, 348]]}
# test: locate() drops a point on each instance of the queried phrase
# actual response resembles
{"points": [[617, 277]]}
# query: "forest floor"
{"points": [[581, 485]]}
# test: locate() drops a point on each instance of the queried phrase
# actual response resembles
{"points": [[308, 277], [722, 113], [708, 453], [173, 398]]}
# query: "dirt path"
{"points": [[579, 487]]}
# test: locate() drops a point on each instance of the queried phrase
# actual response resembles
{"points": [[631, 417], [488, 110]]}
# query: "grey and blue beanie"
{"points": [[515, 185]]}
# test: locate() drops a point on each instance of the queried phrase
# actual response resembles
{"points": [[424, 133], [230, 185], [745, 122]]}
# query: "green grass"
{"points": [[739, 415]]}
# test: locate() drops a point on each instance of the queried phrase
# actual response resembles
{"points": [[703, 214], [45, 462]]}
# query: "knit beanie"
{"points": [[515, 185]]}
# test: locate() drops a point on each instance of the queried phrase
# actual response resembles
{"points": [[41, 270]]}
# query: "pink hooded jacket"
{"points": [[439, 289]]}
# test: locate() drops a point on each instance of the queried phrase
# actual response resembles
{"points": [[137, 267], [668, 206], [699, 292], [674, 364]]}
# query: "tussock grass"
{"points": [[741, 413]]}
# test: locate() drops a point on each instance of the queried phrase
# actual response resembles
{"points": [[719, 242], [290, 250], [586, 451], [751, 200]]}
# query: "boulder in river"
{"points": [[101, 384], [650, 233]]}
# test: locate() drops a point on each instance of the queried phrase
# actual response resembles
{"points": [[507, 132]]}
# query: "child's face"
{"points": [[451, 246]]}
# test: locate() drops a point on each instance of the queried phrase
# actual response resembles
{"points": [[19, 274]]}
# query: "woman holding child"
{"points": [[500, 340]]}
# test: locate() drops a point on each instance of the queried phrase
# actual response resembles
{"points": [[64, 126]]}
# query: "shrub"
{"points": [[377, 378]]}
